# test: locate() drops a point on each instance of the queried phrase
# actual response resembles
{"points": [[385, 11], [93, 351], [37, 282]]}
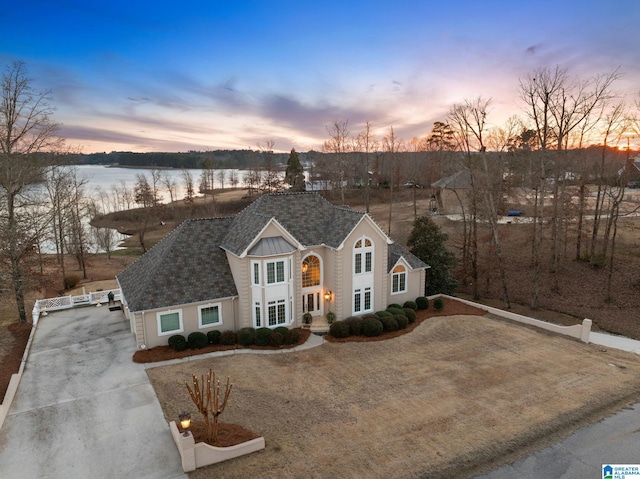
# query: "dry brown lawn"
{"points": [[456, 396]]}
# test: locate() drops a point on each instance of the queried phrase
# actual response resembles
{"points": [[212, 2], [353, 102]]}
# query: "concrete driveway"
{"points": [[83, 408]]}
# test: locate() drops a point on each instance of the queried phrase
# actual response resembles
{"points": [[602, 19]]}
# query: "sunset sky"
{"points": [[202, 75]]}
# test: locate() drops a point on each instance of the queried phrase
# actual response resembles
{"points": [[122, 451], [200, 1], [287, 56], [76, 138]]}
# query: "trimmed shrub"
{"points": [[410, 304], [402, 320], [355, 325], [394, 305], [422, 302], [262, 336], [228, 338], [372, 327], [71, 281], [370, 315], [382, 314], [438, 304], [214, 336], [340, 329], [177, 342], [246, 336], [410, 314], [275, 340], [389, 324], [331, 317], [292, 337], [395, 311], [282, 330], [197, 340]]}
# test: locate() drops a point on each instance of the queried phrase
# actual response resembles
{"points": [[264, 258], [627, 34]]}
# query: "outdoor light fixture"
{"points": [[185, 422], [327, 295]]}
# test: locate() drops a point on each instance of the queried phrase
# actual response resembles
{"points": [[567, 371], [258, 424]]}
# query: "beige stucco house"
{"points": [[280, 257]]}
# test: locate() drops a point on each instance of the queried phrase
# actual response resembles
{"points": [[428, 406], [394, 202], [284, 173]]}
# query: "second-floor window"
{"points": [[275, 272], [363, 256]]}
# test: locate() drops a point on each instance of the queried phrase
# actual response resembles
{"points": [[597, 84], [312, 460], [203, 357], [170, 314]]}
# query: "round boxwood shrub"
{"points": [[410, 304], [275, 340], [246, 336], [372, 327], [422, 302], [402, 321], [395, 311], [438, 304], [177, 342], [382, 314], [228, 338], [394, 305], [282, 330], [355, 325], [197, 340], [339, 329], [214, 336], [262, 336], [410, 314], [389, 324], [292, 337]]}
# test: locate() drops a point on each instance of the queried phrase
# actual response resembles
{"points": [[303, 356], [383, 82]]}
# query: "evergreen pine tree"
{"points": [[294, 175]]}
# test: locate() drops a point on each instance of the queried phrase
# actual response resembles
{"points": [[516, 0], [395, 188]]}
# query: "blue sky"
{"points": [[196, 75]]}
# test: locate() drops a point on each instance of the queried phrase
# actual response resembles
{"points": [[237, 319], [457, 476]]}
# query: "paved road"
{"points": [[83, 408]]}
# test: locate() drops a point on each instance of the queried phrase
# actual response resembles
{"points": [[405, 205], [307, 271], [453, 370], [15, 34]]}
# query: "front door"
{"points": [[311, 303]]}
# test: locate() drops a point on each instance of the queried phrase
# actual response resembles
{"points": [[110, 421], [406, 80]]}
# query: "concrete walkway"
{"points": [[613, 440], [83, 408]]}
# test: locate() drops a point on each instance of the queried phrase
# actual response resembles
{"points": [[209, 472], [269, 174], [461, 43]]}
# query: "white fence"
{"points": [[43, 306]]}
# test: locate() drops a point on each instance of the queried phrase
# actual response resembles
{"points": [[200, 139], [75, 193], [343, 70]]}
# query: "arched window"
{"points": [[363, 256], [310, 271], [399, 279]]}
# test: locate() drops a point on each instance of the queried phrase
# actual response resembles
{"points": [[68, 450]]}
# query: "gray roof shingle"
{"points": [[396, 251], [187, 266], [308, 217]]}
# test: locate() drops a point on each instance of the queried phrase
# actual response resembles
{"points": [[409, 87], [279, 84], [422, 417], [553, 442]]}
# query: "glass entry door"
{"points": [[311, 303]]}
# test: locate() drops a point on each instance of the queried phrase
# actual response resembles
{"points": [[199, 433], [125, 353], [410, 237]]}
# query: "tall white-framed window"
{"points": [[363, 256], [209, 315], [399, 280], [276, 312], [257, 314], [255, 273], [275, 272], [169, 322], [362, 300]]}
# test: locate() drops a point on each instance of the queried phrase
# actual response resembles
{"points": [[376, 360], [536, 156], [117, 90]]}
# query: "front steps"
{"points": [[319, 325]]}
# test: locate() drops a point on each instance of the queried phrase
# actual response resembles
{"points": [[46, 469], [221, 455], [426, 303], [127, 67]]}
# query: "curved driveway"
{"points": [[83, 408]]}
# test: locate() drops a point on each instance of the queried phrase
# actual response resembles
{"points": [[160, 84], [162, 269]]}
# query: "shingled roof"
{"points": [[396, 251], [308, 217], [187, 266]]}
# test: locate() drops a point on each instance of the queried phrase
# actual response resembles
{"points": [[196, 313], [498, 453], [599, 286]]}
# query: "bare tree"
{"points": [[27, 131], [391, 145], [366, 145], [557, 105], [338, 145]]}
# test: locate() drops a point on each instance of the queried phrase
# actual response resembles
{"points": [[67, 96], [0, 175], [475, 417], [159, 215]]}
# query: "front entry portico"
{"points": [[312, 301]]}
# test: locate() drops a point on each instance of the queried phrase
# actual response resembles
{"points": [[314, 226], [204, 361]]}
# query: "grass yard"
{"points": [[456, 396]]}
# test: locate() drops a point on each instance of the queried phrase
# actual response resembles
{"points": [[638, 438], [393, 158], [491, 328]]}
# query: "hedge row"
{"points": [[244, 337], [394, 318]]}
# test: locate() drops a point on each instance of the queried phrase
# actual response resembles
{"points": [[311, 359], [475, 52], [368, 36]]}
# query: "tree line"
{"points": [[545, 158]]}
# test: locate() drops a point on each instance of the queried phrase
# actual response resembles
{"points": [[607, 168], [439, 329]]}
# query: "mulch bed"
{"points": [[451, 308], [164, 353], [12, 358], [228, 434]]}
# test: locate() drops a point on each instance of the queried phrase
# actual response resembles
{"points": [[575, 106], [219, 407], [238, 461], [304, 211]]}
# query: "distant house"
{"points": [[282, 256], [450, 192]]}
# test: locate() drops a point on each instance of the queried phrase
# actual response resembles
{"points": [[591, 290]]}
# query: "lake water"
{"points": [[103, 178]]}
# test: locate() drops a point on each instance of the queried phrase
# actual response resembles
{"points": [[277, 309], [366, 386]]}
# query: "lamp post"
{"points": [[185, 422]]}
